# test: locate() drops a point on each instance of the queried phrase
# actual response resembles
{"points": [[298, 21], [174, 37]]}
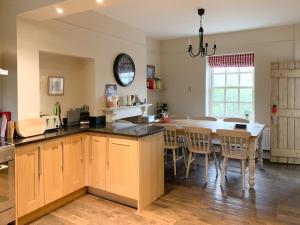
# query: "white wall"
{"points": [[77, 80], [88, 35], [9, 9], [153, 58], [181, 71]]}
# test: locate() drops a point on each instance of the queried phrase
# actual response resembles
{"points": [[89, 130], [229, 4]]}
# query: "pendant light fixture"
{"points": [[203, 48]]}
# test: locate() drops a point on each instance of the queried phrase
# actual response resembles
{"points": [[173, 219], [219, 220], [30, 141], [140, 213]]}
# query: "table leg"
{"points": [[252, 150], [260, 151]]}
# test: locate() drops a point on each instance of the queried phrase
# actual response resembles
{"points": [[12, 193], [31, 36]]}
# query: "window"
{"points": [[231, 91]]}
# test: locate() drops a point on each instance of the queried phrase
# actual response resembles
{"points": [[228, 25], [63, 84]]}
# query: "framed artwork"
{"points": [[56, 86], [150, 71], [111, 90]]}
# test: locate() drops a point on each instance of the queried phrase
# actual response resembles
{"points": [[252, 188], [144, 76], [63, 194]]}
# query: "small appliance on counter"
{"points": [[84, 116], [51, 121], [73, 117]]}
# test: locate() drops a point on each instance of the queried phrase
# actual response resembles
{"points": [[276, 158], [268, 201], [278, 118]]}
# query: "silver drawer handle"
{"points": [[3, 167]]}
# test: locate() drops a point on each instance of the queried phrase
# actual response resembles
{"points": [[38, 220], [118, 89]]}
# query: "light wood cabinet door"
{"points": [[53, 170], [122, 167], [73, 163], [29, 177], [97, 162]]}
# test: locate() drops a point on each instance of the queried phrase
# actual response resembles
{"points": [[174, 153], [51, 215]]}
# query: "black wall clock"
{"points": [[124, 69]]}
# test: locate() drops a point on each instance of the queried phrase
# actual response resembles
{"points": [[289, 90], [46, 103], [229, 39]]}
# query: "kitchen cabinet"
{"points": [[53, 169], [73, 170], [97, 162], [122, 167], [29, 178]]}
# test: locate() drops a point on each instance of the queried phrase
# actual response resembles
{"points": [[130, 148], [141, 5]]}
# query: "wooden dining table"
{"points": [[255, 129]]}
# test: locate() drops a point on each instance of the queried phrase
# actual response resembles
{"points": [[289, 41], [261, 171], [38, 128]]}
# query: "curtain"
{"points": [[234, 60]]}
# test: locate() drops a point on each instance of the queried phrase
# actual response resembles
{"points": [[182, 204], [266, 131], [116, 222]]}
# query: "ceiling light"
{"points": [[99, 1], [203, 49], [59, 10]]}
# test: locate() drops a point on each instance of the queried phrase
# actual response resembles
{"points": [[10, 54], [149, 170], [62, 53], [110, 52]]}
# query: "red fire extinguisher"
{"points": [[274, 109]]}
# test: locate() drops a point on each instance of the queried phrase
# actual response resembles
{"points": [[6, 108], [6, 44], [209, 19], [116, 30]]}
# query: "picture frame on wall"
{"points": [[55, 85], [111, 90], [150, 71]]}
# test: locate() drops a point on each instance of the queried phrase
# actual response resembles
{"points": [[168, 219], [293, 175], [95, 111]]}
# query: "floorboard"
{"points": [[275, 200]]}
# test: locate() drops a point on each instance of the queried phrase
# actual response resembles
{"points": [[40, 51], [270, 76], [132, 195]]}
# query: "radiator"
{"points": [[266, 139]]}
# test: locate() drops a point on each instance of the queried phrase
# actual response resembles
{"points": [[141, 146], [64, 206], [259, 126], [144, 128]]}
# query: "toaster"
{"points": [[51, 121]]}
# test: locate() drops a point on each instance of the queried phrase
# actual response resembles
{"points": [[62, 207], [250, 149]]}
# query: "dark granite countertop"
{"points": [[123, 129]]}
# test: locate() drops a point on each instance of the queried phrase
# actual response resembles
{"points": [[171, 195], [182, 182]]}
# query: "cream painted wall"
{"points": [[9, 9], [78, 36], [153, 58], [76, 75], [181, 72]]}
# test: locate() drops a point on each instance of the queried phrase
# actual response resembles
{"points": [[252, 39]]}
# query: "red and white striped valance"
{"points": [[235, 60]]}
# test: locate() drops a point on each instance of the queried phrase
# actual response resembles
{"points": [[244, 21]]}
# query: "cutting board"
{"points": [[31, 127]]}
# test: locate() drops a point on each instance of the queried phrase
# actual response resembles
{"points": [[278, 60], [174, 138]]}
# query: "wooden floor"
{"points": [[275, 200]]}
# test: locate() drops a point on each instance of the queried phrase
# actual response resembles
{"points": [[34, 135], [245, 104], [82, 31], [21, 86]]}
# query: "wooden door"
{"points": [[97, 162], [285, 123], [29, 178], [73, 163], [122, 167], [53, 170]]}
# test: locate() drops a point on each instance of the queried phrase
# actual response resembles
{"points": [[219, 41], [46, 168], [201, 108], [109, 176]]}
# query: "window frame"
{"points": [[210, 88]]}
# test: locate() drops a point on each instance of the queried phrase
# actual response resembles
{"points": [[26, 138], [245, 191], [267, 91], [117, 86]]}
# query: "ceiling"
{"points": [[166, 19]]}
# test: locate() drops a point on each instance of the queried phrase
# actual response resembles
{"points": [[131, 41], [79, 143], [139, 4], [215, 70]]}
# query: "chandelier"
{"points": [[203, 49]]}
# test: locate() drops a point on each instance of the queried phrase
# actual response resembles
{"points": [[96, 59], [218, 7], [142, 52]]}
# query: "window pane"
{"points": [[219, 80], [246, 80], [219, 70], [218, 109], [232, 80], [246, 69], [245, 108], [246, 94], [232, 109], [218, 94], [232, 94], [232, 69]]}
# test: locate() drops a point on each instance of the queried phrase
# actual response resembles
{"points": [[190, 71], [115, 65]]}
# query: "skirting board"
{"points": [[113, 197]]}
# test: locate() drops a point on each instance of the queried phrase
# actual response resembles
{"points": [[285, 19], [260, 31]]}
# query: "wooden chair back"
{"points": [[234, 143], [170, 135], [207, 118], [236, 120], [199, 139]]}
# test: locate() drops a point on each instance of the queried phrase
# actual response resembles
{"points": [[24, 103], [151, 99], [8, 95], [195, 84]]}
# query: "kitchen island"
{"points": [[121, 162]]}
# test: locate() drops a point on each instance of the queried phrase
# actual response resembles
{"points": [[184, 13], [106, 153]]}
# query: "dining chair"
{"points": [[234, 145], [173, 142], [206, 118], [236, 120], [199, 142], [215, 143]]}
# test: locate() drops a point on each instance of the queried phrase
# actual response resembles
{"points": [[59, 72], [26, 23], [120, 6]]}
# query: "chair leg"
{"points": [[216, 163], [243, 173], [223, 170], [226, 167], [188, 165], [174, 161], [184, 156], [206, 167], [220, 160]]}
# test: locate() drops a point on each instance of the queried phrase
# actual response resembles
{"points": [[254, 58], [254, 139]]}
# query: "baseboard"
{"points": [[113, 197], [51, 207]]}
